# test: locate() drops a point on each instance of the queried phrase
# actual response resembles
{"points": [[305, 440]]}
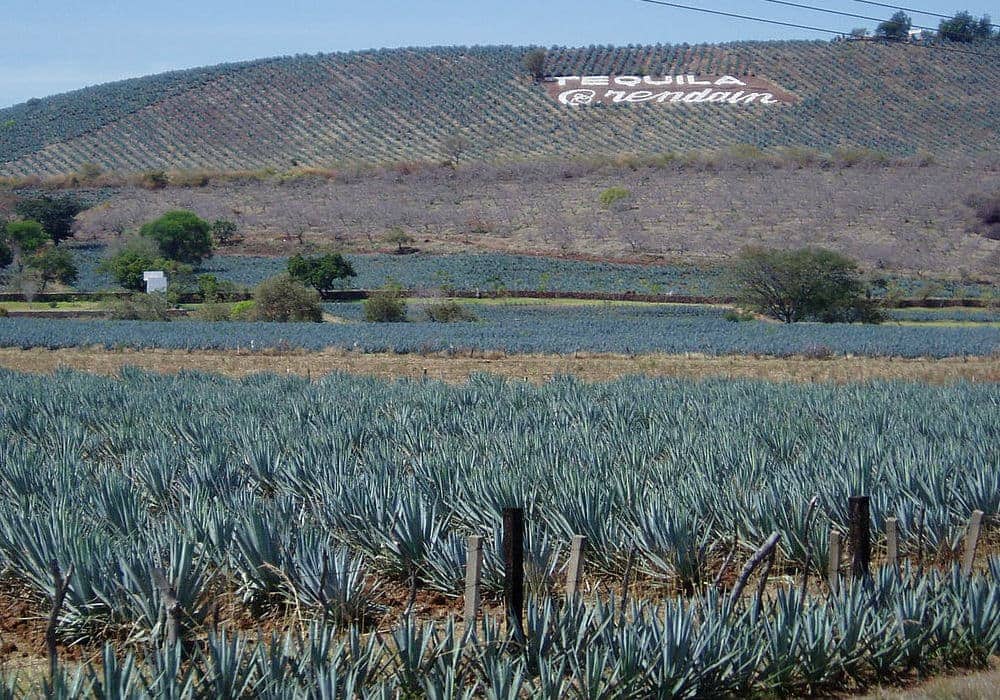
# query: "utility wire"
{"points": [[795, 25], [838, 12], [909, 9]]}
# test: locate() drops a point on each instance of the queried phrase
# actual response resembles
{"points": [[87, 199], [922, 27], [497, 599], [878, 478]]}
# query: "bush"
{"points": [[6, 254], [3, 312], [139, 307], [243, 311], [987, 212], [213, 312], [137, 255], [224, 232], [211, 289], [534, 63], [181, 236], [386, 306], [282, 299], [448, 312], [737, 316], [614, 195]]}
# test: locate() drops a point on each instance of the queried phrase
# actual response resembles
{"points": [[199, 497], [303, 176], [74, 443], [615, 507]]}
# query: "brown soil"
{"points": [[534, 368]]}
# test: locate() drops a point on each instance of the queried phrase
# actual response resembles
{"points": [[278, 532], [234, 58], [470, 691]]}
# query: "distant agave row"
{"points": [[518, 330], [898, 623]]}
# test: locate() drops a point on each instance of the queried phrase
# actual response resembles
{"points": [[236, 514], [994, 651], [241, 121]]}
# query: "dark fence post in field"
{"points": [[60, 584], [473, 576], [859, 535], [892, 542], [574, 574], [971, 540], [513, 569], [170, 604]]}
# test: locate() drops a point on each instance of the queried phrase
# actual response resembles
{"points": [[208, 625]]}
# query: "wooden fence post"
{"points": [[971, 540], [860, 536], [892, 542], [170, 604], [473, 576], [574, 573], [833, 562], [513, 569], [59, 589]]}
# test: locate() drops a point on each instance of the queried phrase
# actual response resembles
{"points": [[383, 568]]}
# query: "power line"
{"points": [[837, 12], [909, 9], [795, 25]]}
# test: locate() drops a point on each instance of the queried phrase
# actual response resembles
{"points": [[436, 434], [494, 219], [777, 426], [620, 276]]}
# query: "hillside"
{"points": [[406, 104]]}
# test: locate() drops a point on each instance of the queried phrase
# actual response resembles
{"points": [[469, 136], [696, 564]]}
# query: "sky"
{"points": [[53, 46]]}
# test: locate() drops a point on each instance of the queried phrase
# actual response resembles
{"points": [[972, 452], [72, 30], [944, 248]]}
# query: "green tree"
{"points": [[534, 63], [55, 215], [282, 298], [181, 236], [965, 28], [53, 265], [896, 28], [136, 256], [6, 254], [804, 284], [23, 239], [399, 237], [322, 272]]}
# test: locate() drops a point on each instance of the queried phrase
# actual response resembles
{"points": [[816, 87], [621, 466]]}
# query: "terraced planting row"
{"points": [[521, 329], [306, 505], [308, 110]]}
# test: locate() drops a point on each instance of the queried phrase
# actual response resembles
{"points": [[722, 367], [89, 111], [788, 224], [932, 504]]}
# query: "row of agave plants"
{"points": [[892, 626], [313, 499]]}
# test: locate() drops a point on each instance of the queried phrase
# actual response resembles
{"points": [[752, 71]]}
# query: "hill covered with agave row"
{"points": [[417, 104]]}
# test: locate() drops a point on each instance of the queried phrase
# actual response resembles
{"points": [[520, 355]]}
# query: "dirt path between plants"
{"points": [[535, 368]]}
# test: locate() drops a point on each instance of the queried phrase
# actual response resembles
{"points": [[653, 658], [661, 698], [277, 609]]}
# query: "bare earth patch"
{"points": [[535, 368]]}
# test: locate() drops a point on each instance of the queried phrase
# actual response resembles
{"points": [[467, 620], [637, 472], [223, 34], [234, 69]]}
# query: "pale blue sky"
{"points": [[52, 46]]}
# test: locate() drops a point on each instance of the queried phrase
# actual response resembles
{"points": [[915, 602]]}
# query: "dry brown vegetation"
{"points": [[535, 368], [903, 217]]}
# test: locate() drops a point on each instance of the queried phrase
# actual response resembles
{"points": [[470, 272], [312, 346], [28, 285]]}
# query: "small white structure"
{"points": [[155, 280]]}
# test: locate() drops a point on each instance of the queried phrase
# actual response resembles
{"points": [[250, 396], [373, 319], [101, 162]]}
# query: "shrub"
{"points": [[614, 195], [448, 312], [6, 254], [224, 232], [283, 299], [243, 311], [737, 316], [134, 257], [987, 213], [213, 312], [3, 312], [154, 180], [399, 238], [212, 289], [139, 307], [386, 306], [181, 236]]}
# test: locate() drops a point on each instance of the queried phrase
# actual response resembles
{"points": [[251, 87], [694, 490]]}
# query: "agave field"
{"points": [[504, 273], [520, 328], [305, 503], [308, 110]]}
